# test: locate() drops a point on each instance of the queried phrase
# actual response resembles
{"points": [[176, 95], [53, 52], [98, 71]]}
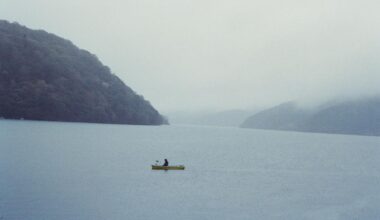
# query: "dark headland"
{"points": [[45, 77]]}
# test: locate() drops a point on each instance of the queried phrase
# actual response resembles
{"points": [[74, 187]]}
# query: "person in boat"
{"points": [[166, 163]]}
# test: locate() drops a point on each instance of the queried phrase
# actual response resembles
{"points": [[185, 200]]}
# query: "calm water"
{"points": [[61, 171]]}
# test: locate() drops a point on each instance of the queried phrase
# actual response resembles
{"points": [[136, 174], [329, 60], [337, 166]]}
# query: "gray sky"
{"points": [[222, 54]]}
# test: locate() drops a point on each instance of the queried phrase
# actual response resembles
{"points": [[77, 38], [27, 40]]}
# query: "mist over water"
{"points": [[225, 61]]}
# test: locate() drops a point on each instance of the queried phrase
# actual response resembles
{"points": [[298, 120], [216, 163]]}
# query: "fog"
{"points": [[219, 55]]}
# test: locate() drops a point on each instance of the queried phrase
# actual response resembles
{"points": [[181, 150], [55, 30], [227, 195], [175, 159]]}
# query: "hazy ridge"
{"points": [[360, 117], [228, 118]]}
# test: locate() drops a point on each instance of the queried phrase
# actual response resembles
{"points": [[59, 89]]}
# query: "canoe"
{"points": [[159, 167]]}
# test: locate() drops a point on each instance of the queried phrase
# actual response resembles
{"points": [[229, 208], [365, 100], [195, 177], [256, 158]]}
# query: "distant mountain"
{"points": [[230, 118], [45, 77], [286, 116], [354, 117], [360, 117]]}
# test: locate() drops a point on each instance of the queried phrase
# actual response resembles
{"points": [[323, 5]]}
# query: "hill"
{"points": [[360, 117], [45, 77]]}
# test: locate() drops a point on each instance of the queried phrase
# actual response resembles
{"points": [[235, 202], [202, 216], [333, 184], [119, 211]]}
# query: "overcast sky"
{"points": [[222, 54]]}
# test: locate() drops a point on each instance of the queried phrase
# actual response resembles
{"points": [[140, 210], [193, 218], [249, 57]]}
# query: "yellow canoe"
{"points": [[159, 167]]}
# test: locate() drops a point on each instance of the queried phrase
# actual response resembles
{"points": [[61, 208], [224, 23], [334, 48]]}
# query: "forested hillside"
{"points": [[45, 77]]}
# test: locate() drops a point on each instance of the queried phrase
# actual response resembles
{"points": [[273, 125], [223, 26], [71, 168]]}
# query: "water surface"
{"points": [[61, 171]]}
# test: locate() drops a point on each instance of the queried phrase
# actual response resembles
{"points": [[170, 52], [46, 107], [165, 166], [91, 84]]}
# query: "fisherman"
{"points": [[166, 163]]}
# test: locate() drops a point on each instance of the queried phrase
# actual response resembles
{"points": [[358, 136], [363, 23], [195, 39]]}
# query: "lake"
{"points": [[62, 171]]}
